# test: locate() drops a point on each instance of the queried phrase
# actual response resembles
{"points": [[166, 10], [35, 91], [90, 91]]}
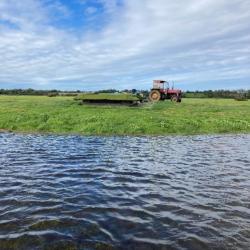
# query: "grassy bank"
{"points": [[64, 115]]}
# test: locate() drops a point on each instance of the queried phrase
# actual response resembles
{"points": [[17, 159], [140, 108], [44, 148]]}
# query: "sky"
{"points": [[124, 44]]}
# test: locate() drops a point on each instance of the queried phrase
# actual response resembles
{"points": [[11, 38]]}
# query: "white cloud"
{"points": [[188, 42], [91, 10]]}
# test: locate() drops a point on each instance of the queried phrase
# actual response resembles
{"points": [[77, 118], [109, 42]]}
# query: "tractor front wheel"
{"points": [[174, 98], [154, 96]]}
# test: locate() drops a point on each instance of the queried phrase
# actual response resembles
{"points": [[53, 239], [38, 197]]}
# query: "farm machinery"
{"points": [[159, 92]]}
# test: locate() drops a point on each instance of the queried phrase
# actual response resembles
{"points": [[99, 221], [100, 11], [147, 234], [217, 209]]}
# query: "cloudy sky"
{"points": [[99, 44]]}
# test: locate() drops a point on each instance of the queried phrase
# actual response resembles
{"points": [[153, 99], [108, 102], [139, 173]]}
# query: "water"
{"points": [[72, 192]]}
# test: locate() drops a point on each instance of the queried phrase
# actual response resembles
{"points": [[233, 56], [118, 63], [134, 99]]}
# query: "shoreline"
{"points": [[44, 133]]}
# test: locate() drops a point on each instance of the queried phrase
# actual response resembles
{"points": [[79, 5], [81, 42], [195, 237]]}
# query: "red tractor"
{"points": [[159, 92]]}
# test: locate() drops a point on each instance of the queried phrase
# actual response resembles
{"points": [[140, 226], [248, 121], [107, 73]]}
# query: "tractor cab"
{"points": [[160, 84]]}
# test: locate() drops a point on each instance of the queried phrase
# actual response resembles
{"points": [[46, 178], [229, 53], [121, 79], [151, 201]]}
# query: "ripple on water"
{"points": [[73, 192]]}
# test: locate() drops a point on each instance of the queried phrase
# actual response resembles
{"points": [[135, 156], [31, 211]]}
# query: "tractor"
{"points": [[159, 92]]}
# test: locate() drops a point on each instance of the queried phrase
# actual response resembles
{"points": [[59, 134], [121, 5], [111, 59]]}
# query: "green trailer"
{"points": [[110, 98]]}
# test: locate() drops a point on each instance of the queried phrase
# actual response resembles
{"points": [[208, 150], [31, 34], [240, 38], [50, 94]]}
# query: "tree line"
{"points": [[218, 94], [187, 94], [35, 92]]}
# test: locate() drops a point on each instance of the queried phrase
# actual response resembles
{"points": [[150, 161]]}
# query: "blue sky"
{"points": [[100, 44]]}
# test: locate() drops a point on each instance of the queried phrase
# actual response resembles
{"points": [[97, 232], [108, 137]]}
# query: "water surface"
{"points": [[73, 192]]}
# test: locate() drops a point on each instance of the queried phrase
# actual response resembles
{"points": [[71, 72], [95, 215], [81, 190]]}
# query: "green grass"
{"points": [[64, 115]]}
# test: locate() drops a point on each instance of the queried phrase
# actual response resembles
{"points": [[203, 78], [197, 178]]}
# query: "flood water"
{"points": [[73, 192]]}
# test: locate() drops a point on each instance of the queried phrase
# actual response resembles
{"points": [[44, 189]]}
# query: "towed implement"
{"points": [[110, 98], [159, 92]]}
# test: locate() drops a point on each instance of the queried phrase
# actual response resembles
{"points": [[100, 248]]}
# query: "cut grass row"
{"points": [[63, 115]]}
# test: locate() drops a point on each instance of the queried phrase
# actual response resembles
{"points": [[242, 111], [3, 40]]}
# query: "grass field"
{"points": [[64, 115]]}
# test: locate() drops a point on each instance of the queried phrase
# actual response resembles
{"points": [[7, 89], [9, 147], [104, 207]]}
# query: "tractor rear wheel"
{"points": [[154, 96]]}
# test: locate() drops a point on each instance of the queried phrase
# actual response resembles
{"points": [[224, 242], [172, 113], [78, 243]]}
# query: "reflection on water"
{"points": [[73, 192]]}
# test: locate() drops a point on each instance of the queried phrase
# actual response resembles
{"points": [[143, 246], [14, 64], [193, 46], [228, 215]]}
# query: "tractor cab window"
{"points": [[167, 86], [158, 84]]}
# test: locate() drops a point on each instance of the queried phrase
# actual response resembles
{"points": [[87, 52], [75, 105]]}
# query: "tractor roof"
{"points": [[159, 81]]}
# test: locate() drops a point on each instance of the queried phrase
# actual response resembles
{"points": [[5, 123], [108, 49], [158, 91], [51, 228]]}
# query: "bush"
{"points": [[241, 96], [53, 94]]}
